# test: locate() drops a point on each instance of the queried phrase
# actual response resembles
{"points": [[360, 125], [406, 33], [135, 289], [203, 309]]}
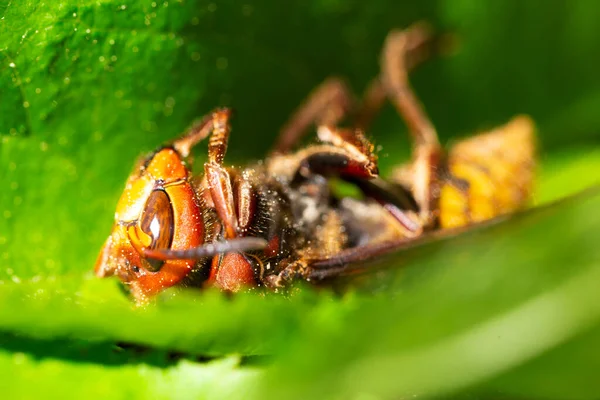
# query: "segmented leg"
{"points": [[351, 141], [372, 101], [394, 75], [350, 156], [332, 100], [417, 49], [245, 201], [219, 182], [194, 135], [328, 104], [345, 153], [222, 195], [220, 189], [427, 152]]}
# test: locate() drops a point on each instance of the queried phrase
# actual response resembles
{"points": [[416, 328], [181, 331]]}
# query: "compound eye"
{"points": [[158, 223]]}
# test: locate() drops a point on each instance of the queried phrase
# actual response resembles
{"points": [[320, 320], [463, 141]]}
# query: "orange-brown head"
{"points": [[158, 210]]}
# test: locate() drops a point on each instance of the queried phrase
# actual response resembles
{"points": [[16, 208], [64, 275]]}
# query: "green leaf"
{"points": [[183, 380], [569, 171], [87, 86], [466, 310], [98, 312], [457, 312]]}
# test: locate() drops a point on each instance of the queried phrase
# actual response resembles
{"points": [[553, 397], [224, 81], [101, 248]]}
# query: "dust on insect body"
{"points": [[277, 221]]}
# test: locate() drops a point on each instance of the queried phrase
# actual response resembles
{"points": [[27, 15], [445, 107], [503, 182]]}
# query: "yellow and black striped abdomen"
{"points": [[489, 175]]}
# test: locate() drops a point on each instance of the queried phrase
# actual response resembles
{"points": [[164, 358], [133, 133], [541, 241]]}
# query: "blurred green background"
{"points": [[87, 86]]}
